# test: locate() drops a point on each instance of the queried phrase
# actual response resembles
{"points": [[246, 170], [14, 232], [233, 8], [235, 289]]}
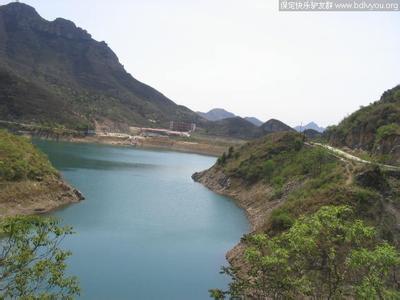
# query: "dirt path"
{"points": [[349, 174], [348, 156]]}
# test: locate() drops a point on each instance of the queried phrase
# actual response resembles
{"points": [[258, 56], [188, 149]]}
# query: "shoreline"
{"points": [[51, 194], [249, 198], [219, 183], [147, 143], [37, 198], [198, 143]]}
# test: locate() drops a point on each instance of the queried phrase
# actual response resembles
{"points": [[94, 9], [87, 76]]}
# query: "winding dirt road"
{"points": [[344, 155]]}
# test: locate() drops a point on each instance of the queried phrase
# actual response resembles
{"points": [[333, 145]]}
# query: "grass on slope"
{"points": [[20, 160], [305, 178]]}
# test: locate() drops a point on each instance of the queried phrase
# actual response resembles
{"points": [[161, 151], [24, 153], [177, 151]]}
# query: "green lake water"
{"points": [[145, 230]]}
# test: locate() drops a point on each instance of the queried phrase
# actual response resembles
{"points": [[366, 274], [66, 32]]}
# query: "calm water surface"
{"points": [[145, 230]]}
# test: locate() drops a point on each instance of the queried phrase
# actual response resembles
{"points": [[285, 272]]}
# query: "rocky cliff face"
{"points": [[389, 146], [82, 79]]}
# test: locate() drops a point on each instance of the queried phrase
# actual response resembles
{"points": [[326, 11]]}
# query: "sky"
{"points": [[246, 56]]}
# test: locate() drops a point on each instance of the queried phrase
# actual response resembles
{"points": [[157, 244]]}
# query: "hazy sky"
{"points": [[246, 56]]}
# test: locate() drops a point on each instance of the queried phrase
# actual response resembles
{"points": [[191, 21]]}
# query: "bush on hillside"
{"points": [[386, 131], [328, 255]]}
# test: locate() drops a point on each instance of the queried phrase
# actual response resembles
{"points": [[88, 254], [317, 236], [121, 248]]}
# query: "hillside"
{"points": [[55, 73], [374, 128], [233, 127], [312, 134], [29, 183], [274, 125], [280, 178], [254, 121]]}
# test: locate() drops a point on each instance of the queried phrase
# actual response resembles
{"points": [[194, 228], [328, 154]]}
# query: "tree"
{"points": [[222, 160], [328, 255], [230, 152], [32, 266]]}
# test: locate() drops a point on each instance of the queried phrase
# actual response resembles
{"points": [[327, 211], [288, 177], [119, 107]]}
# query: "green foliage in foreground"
{"points": [[32, 266], [20, 160], [328, 255]]}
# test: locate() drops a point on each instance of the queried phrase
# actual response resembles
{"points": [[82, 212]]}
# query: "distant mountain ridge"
{"points": [[254, 121], [218, 114], [53, 72], [240, 128], [311, 125], [234, 127], [274, 125]]}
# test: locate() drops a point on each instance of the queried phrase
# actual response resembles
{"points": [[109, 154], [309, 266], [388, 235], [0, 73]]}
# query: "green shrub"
{"points": [[386, 131], [327, 255], [222, 160], [230, 152], [281, 220], [278, 181], [268, 169]]}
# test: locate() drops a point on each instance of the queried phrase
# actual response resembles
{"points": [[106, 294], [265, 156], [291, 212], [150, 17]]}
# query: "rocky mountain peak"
{"points": [[68, 29], [20, 10], [24, 17]]}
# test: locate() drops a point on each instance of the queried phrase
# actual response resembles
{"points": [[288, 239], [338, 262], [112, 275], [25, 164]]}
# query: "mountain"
{"points": [[236, 127], [374, 128], [254, 121], [274, 125], [217, 114], [53, 72], [311, 125]]}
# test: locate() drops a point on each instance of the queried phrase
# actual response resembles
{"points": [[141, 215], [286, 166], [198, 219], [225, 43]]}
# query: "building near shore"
{"points": [[182, 126], [160, 132]]}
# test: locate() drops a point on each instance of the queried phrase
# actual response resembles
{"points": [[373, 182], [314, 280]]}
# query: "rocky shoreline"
{"points": [[252, 199], [36, 197]]}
